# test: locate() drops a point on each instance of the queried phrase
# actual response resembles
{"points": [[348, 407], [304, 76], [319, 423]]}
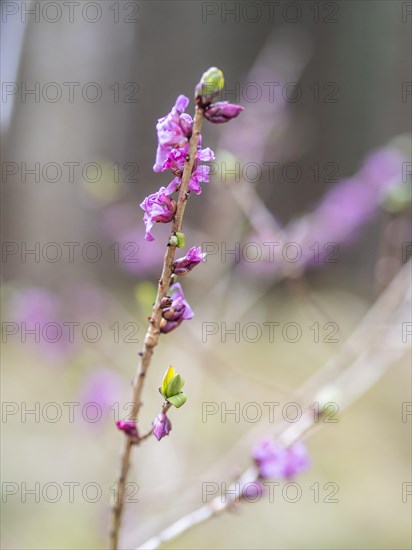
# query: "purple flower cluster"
{"points": [[350, 204], [173, 134], [275, 461], [336, 220]]}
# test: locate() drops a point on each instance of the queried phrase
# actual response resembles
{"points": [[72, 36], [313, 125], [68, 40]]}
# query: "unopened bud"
{"points": [[210, 85], [222, 111], [161, 426], [128, 427]]}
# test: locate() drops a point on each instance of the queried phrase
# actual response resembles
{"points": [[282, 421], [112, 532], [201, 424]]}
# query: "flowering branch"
{"points": [[153, 331], [178, 150]]}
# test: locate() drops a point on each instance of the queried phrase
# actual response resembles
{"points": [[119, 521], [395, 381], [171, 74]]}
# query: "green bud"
{"points": [[397, 198], [180, 240], [210, 85], [177, 400]]}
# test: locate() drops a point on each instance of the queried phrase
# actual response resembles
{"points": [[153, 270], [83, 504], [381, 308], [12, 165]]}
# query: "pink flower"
{"points": [[161, 426], [275, 461], [158, 207], [200, 174], [193, 257], [176, 159], [128, 427], [173, 130]]}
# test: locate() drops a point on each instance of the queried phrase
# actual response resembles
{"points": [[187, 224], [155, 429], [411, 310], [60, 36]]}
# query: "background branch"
{"points": [[363, 352]]}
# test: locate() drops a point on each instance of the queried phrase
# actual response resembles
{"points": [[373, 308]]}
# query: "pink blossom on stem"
{"points": [[128, 427], [161, 426], [158, 207], [200, 173], [193, 257], [173, 130]]}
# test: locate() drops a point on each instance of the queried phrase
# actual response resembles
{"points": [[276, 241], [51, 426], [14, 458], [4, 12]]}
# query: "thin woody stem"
{"points": [[153, 331], [165, 408]]}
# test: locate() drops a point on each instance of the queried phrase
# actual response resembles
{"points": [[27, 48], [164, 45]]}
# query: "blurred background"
{"points": [[306, 220]]}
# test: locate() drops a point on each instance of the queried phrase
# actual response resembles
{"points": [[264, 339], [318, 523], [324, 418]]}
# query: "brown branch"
{"points": [[165, 408], [153, 331]]}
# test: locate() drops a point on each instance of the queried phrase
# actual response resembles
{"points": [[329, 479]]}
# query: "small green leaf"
{"points": [[166, 379], [174, 386], [173, 241], [177, 400]]}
